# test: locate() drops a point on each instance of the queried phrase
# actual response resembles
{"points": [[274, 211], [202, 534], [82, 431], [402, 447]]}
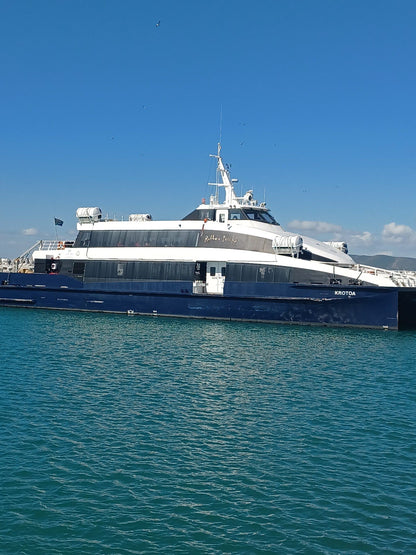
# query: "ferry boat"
{"points": [[228, 259]]}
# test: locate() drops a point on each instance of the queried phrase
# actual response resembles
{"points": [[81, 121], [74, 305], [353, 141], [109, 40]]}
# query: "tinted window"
{"points": [[83, 239], [257, 273], [104, 270], [78, 268], [259, 216], [145, 238], [200, 215], [236, 215]]}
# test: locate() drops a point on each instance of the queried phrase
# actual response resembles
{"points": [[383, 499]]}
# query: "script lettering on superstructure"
{"points": [[220, 239]]}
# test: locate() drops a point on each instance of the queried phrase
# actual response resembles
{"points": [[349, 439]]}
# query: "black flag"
{"points": [[58, 222]]}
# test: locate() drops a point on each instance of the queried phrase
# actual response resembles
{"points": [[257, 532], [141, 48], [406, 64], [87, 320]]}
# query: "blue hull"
{"points": [[373, 307]]}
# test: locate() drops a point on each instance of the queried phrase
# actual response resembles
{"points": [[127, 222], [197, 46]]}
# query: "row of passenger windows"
{"points": [[105, 270], [274, 274], [189, 271], [256, 273], [147, 238], [160, 271], [174, 271], [172, 238], [179, 271]]}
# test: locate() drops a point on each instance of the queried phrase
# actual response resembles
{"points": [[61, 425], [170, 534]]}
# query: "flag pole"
{"points": [[60, 223]]}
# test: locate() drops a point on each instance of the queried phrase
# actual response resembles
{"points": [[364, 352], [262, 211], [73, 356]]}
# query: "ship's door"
{"points": [[215, 278], [222, 216]]}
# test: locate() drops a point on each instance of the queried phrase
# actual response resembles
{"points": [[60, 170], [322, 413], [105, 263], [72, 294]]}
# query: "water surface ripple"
{"points": [[148, 435]]}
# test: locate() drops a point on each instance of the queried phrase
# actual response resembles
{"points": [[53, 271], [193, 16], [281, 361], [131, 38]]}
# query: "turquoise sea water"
{"points": [[148, 435]]}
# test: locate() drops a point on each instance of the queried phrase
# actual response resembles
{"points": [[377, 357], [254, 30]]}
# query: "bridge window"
{"points": [[259, 216]]}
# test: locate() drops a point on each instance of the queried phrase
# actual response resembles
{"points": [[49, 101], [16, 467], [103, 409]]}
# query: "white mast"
{"points": [[230, 196]]}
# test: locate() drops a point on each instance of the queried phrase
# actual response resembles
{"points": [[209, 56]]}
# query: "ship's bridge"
{"points": [[221, 214]]}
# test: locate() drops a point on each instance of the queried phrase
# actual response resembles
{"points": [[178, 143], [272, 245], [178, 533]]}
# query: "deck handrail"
{"points": [[402, 278]]}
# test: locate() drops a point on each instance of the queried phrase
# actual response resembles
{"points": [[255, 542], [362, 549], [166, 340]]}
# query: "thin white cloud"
{"points": [[30, 231], [362, 239], [317, 227], [394, 239], [399, 233]]}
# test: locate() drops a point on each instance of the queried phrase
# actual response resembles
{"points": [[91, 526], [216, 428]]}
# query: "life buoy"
{"points": [[61, 245]]}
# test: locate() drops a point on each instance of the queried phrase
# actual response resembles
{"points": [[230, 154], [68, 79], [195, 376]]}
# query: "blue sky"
{"points": [[102, 107]]}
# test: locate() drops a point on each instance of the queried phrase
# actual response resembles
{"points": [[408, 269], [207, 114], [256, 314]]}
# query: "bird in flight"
{"points": [[158, 24]]}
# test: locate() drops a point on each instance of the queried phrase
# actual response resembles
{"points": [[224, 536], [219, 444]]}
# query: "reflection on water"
{"points": [[130, 435]]}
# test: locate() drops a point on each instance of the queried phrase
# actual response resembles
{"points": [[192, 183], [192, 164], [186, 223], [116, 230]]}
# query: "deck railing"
{"points": [[53, 245], [24, 262], [401, 278]]}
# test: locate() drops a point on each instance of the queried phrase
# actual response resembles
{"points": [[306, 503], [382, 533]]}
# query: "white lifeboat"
{"points": [[89, 214], [287, 244]]}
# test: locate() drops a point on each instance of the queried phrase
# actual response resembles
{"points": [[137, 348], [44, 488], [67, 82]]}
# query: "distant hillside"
{"points": [[387, 262]]}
